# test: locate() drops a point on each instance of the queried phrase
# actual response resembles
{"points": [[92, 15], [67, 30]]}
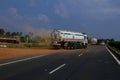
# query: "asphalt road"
{"points": [[93, 63]]}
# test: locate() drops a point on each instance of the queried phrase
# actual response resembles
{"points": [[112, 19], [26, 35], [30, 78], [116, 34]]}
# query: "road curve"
{"points": [[93, 63]]}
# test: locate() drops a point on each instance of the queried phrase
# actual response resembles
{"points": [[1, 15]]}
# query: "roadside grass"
{"points": [[115, 49], [29, 45]]}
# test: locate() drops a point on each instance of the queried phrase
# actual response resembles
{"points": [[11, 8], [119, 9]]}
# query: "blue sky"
{"points": [[99, 18]]}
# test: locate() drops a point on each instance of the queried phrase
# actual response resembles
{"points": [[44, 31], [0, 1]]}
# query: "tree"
{"points": [[2, 31], [14, 34], [27, 38], [112, 39], [17, 33], [31, 36], [20, 34], [8, 34]]}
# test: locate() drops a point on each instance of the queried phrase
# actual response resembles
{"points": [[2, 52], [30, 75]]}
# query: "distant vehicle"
{"points": [[102, 43], [68, 39], [93, 41]]}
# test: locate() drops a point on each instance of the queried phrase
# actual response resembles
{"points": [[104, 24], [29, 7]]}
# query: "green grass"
{"points": [[115, 49]]}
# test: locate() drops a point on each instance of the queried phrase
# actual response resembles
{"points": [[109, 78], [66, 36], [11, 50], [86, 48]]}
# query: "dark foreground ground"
{"points": [[93, 63]]}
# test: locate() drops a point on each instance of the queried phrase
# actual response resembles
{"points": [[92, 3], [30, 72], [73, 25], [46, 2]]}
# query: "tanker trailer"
{"points": [[68, 39], [94, 41]]}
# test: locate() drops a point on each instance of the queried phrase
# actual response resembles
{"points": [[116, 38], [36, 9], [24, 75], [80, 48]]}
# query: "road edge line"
{"points": [[20, 60], [113, 56]]}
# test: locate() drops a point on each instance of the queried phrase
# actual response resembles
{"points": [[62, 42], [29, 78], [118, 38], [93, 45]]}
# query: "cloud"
{"points": [[115, 11], [88, 2], [95, 9], [11, 17], [43, 18], [100, 1], [32, 3], [12, 11], [61, 10], [9, 12], [11, 20]]}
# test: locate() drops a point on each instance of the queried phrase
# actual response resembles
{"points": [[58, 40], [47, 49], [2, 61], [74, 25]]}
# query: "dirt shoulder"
{"points": [[7, 53]]}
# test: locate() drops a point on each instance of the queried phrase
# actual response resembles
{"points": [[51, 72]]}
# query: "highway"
{"points": [[93, 63]]}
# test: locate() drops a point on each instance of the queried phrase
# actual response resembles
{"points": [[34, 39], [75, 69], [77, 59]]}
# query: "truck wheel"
{"points": [[65, 45]]}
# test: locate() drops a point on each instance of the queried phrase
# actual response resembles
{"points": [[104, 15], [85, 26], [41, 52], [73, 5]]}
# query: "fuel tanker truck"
{"points": [[68, 39]]}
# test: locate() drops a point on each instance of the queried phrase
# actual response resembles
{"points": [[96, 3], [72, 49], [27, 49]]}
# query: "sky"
{"points": [[97, 18]]}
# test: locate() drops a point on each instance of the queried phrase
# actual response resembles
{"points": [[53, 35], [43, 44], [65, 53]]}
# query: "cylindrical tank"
{"points": [[93, 41]]}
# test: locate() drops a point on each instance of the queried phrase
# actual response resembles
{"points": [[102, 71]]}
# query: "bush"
{"points": [[115, 44], [36, 42], [29, 45]]}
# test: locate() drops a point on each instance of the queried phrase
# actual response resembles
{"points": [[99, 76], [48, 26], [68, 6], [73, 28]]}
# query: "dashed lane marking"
{"points": [[80, 54], [51, 72]]}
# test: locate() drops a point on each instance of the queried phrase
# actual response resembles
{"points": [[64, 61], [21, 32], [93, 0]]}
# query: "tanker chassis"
{"points": [[68, 39]]}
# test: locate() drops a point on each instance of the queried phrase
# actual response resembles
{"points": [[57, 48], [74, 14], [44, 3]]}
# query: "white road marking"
{"points": [[113, 56], [3, 64], [57, 69], [80, 54]]}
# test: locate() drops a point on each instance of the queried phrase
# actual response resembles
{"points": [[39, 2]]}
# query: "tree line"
{"points": [[3, 33], [115, 44], [26, 38]]}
